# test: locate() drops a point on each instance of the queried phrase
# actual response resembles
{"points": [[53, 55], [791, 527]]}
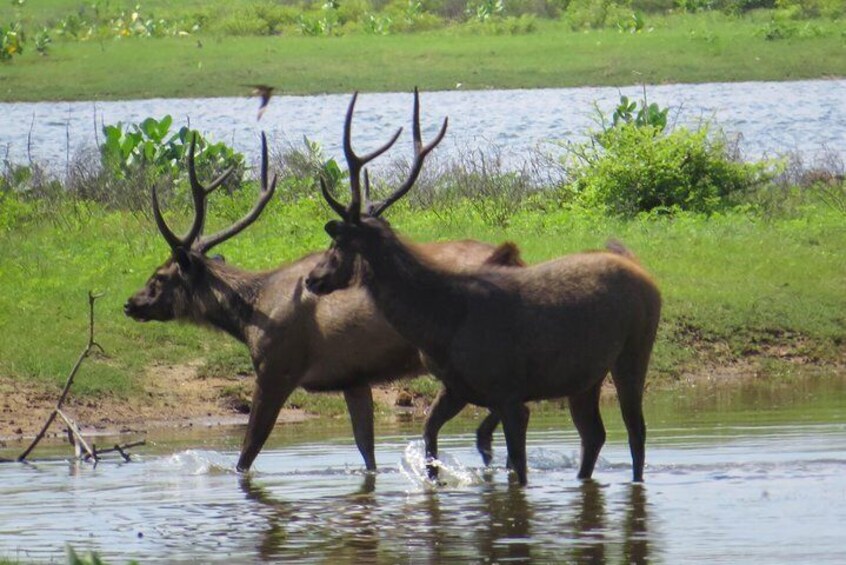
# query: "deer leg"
{"points": [[484, 437], [584, 409], [360, 405], [445, 407], [629, 378], [267, 401], [515, 420]]}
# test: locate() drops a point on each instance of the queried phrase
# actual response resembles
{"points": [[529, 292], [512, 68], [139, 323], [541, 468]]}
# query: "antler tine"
{"points": [[199, 194], [355, 163], [420, 153], [168, 234], [334, 204], [265, 195]]}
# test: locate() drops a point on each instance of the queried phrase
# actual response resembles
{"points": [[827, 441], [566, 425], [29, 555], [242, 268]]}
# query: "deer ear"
{"points": [[334, 228], [183, 258]]}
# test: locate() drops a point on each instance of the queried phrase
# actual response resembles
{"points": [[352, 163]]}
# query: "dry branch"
{"points": [[74, 435]]}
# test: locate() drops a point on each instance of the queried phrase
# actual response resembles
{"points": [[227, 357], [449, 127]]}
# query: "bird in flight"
{"points": [[264, 92]]}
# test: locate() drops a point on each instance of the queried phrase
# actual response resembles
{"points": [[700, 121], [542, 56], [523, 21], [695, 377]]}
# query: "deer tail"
{"points": [[507, 254], [616, 246]]}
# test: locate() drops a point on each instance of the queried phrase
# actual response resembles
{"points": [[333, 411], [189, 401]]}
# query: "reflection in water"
{"points": [[306, 505], [508, 535], [492, 523], [636, 540], [589, 527]]}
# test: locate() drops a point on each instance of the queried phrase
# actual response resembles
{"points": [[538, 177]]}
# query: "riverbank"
{"points": [[745, 294], [688, 48], [176, 398]]}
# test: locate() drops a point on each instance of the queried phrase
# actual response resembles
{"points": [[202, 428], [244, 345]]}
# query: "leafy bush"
{"points": [[12, 40], [629, 169], [596, 14], [634, 165], [812, 8], [150, 145]]}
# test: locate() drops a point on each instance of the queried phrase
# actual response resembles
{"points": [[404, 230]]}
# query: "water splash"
{"points": [[451, 472], [197, 462], [541, 459]]}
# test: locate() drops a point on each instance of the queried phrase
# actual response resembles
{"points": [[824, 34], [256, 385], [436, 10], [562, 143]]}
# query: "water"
{"points": [[754, 473], [769, 118]]}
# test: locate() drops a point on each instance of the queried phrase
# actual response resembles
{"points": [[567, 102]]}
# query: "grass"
{"points": [[735, 285], [689, 48]]}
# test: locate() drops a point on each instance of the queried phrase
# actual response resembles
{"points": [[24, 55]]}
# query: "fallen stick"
{"points": [[119, 448], [57, 411]]}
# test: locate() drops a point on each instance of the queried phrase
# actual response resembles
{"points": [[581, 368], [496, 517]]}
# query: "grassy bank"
{"points": [[737, 287], [680, 48]]}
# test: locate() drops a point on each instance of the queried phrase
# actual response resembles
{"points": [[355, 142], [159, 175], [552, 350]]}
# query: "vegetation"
{"points": [[57, 50], [747, 256], [633, 165]]}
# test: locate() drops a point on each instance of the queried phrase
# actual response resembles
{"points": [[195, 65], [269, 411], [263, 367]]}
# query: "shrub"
{"points": [[635, 168], [11, 41], [150, 145], [596, 14]]}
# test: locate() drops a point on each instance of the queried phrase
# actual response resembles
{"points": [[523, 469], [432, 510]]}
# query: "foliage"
{"points": [[482, 10], [636, 166], [777, 29], [150, 145], [812, 8], [12, 41], [648, 114], [14, 210], [43, 41], [300, 171], [596, 14]]}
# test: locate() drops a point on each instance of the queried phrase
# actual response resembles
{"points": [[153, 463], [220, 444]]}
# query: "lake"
{"points": [[767, 118], [753, 472]]}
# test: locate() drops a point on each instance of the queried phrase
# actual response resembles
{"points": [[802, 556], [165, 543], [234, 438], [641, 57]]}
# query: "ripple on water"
{"points": [[515, 122]]}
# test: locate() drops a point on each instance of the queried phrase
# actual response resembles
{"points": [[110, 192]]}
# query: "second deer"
{"points": [[499, 337]]}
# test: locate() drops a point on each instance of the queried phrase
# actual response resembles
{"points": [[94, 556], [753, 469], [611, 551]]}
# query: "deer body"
{"points": [[295, 339], [500, 337]]}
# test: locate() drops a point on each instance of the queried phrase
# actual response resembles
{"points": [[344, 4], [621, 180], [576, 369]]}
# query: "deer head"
{"points": [[355, 228], [169, 292]]}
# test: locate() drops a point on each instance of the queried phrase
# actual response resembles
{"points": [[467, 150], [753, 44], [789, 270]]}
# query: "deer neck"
{"points": [[423, 303], [228, 300]]}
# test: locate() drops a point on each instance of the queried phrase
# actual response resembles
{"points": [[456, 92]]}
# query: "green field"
{"points": [[735, 285], [702, 47]]}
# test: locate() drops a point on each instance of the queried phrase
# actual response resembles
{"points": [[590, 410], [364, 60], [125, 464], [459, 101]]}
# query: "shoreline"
{"points": [[194, 402]]}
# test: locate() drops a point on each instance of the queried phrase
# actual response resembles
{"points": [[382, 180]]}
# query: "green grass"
{"points": [[690, 48], [733, 284]]}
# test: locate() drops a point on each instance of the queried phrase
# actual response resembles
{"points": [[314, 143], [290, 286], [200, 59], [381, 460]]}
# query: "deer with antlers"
{"points": [[333, 343], [499, 337]]}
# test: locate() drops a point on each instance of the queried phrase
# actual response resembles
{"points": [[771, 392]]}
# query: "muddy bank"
{"points": [[175, 396]]}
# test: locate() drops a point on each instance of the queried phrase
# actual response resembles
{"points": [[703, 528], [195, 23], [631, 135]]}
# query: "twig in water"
{"points": [[57, 411]]}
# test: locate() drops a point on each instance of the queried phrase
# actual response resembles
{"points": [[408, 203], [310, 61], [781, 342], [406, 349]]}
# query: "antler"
{"points": [[266, 193], [420, 153], [355, 163], [199, 193], [192, 239]]}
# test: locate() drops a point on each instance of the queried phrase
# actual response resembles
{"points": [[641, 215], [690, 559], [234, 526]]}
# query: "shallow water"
{"points": [[744, 474], [769, 118]]}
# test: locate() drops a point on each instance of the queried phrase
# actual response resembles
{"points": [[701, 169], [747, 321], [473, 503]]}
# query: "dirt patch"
{"points": [[173, 396]]}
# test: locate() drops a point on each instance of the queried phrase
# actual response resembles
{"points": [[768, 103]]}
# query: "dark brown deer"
{"points": [[336, 343], [499, 337]]}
